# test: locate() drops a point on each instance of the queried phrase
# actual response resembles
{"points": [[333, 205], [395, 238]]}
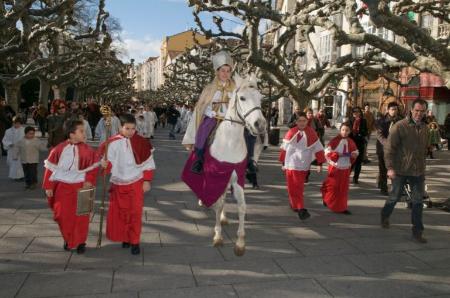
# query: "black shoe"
{"points": [[355, 181], [366, 161], [197, 167], [384, 222], [303, 214], [66, 246], [384, 192], [81, 248], [419, 237], [346, 212], [135, 249], [125, 245], [324, 204]]}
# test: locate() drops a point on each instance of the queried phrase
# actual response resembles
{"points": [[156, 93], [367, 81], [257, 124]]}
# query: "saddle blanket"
{"points": [[213, 181]]}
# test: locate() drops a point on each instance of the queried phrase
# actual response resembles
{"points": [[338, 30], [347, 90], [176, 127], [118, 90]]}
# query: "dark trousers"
{"points": [[30, 172], [417, 191], [172, 130], [250, 141], [382, 172], [358, 162]]}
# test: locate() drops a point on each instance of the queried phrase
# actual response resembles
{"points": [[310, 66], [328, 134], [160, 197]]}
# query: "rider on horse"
{"points": [[211, 108]]}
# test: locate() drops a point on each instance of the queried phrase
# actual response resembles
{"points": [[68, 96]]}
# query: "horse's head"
{"points": [[247, 104]]}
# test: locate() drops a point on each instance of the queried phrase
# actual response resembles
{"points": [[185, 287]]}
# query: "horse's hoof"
{"points": [[224, 222], [239, 251], [218, 242]]}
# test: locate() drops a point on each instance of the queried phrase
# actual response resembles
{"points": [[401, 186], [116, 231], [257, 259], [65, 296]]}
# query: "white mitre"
{"points": [[222, 58]]}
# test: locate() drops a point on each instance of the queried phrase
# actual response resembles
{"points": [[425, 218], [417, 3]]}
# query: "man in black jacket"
{"points": [[383, 127], [172, 119], [358, 134]]}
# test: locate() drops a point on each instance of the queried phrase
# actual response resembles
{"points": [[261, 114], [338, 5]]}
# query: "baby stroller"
{"points": [[408, 200]]}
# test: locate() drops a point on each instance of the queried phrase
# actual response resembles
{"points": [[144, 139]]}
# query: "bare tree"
{"points": [[54, 40], [284, 68]]}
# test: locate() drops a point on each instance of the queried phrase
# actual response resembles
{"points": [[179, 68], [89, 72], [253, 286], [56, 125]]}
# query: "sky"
{"points": [[146, 22]]}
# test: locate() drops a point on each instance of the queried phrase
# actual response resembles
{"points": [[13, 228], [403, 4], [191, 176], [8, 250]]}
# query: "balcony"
{"points": [[443, 31]]}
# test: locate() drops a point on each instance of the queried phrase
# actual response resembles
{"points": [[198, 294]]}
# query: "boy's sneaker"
{"points": [[81, 248], [303, 214], [135, 249]]}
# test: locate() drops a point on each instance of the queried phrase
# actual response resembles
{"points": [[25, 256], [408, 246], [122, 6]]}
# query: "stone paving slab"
{"points": [[17, 218], [42, 230], [50, 284], [237, 272], [324, 247], [181, 255], [192, 237], [34, 262], [14, 245], [153, 277], [261, 250], [293, 288], [109, 295], [387, 262], [312, 267], [353, 286], [389, 243], [199, 292], [109, 256], [4, 229], [437, 258], [11, 283]]}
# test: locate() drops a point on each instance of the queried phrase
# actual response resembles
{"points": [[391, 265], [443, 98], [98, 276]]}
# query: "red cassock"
{"points": [[130, 163], [65, 176], [336, 185], [298, 151]]}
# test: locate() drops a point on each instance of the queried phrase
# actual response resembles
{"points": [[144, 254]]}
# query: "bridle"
{"points": [[241, 116]]}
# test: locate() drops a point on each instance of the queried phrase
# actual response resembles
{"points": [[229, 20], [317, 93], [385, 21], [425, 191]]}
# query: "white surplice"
{"points": [[12, 136]]}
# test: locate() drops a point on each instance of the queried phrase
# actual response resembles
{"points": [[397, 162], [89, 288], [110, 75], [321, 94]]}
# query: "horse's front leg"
{"points": [[218, 208], [238, 191]]}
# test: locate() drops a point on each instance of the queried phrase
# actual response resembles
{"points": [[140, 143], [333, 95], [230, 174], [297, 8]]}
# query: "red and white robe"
{"points": [[335, 187], [130, 162], [67, 168], [298, 151]]}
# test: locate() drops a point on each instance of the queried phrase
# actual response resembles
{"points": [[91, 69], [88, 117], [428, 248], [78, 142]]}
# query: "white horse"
{"points": [[244, 111]]}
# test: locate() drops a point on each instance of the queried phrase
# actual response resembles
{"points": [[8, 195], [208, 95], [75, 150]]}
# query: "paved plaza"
{"points": [[329, 255]]}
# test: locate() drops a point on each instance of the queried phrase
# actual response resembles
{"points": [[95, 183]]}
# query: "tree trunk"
{"points": [[12, 95], [59, 91], [44, 90], [76, 94]]}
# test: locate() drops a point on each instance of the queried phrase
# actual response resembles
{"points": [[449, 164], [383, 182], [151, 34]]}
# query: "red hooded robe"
{"points": [[124, 220], [74, 229], [335, 187]]}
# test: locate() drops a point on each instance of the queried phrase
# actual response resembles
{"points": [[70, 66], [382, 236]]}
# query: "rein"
{"points": [[240, 116]]}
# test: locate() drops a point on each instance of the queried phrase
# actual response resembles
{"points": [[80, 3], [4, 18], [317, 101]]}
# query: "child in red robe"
{"points": [[129, 160], [300, 147], [341, 153], [70, 166]]}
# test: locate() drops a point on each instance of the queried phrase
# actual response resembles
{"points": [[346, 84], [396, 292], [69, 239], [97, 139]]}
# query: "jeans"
{"points": [[172, 131], [417, 184]]}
